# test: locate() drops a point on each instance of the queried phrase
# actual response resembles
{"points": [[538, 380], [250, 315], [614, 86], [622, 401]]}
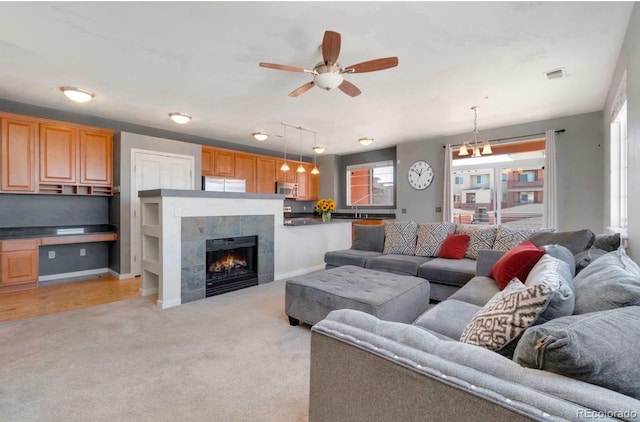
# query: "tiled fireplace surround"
{"points": [[196, 230]]}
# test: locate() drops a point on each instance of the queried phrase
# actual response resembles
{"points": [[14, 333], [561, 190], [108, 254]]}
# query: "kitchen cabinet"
{"points": [[223, 163], [207, 161], [18, 264], [286, 176], [301, 180], [18, 146], [245, 168], [266, 174], [58, 150], [308, 184], [313, 185], [96, 157]]}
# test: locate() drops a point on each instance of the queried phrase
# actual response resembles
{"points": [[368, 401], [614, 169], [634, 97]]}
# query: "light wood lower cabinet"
{"points": [[18, 264]]}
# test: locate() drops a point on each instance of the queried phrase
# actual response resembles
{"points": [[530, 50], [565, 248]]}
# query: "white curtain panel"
{"points": [[447, 199], [550, 175]]}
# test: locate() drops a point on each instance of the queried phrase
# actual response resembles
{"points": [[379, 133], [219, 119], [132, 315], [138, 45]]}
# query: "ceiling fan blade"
{"points": [[285, 67], [372, 65], [331, 47], [349, 88], [301, 90]]}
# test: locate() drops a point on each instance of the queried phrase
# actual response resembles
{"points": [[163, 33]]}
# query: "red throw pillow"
{"points": [[454, 246], [516, 262]]}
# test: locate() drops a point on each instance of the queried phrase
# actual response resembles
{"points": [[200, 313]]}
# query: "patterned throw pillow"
{"points": [[481, 237], [400, 237], [505, 317], [431, 236], [508, 236]]}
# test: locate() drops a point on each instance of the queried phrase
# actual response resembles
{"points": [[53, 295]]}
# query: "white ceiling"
{"points": [[146, 59]]}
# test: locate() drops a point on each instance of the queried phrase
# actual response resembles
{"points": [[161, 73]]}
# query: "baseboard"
{"points": [[169, 303], [120, 276], [296, 273], [148, 292], [85, 273]]}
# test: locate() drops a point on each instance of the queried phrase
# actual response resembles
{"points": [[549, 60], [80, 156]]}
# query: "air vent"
{"points": [[555, 74]]}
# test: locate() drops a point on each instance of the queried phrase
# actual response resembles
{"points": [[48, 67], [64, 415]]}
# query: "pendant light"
{"points": [[473, 143], [315, 153], [300, 168], [285, 166]]}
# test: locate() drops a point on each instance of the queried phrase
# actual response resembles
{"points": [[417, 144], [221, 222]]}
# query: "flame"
{"points": [[227, 263]]}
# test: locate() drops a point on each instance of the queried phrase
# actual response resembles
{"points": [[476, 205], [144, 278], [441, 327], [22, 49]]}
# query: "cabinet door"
{"points": [[313, 185], [95, 157], [302, 181], [223, 163], [266, 175], [58, 149], [18, 155], [18, 265], [207, 161], [286, 176], [246, 169]]}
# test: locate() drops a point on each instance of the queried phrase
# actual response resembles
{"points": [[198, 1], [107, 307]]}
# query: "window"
{"points": [[506, 186], [618, 158], [370, 184], [459, 180]]}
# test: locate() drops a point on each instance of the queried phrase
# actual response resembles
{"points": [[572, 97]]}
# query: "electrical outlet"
{"points": [[52, 254], [403, 211], [304, 208], [83, 252], [438, 209]]}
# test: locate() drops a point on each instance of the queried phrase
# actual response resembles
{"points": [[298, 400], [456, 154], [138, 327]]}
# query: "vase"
{"points": [[326, 217]]}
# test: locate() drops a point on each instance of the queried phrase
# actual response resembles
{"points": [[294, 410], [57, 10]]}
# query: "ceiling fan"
{"points": [[328, 73]]}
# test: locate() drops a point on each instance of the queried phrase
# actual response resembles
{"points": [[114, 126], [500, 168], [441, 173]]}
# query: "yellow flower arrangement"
{"points": [[324, 208]]}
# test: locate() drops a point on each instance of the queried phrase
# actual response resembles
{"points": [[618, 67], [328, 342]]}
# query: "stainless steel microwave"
{"points": [[288, 189]]}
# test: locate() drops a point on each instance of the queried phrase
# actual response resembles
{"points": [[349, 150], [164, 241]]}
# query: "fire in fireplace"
{"points": [[232, 264]]}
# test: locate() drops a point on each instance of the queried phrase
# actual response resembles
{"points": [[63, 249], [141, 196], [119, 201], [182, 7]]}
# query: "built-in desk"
{"points": [[19, 250]]}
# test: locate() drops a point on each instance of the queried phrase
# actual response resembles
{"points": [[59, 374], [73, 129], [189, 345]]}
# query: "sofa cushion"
{"points": [[480, 237], [584, 258], [454, 246], [446, 271], [431, 236], [348, 257], [507, 237], [477, 291], [516, 262], [607, 242], [575, 241], [599, 348], [505, 317], [556, 275], [611, 281], [396, 263], [368, 237], [448, 318], [400, 237]]}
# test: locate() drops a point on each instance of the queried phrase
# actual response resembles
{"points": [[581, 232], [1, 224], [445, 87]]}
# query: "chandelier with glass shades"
{"points": [[477, 150]]}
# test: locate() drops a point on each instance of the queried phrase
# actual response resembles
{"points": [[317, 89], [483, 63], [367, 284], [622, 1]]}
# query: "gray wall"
{"points": [[628, 60], [52, 210], [579, 163]]}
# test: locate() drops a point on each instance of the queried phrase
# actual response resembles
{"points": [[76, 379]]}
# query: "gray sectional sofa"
{"points": [[410, 248], [572, 355]]}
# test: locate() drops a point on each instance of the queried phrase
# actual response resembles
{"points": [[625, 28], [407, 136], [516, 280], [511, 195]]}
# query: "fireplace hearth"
{"points": [[231, 264]]}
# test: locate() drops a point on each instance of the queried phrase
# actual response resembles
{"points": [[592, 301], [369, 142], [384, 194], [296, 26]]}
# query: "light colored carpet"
{"points": [[231, 357]]}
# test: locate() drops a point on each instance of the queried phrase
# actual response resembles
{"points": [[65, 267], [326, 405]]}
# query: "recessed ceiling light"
{"points": [[180, 118], [259, 136], [78, 95], [365, 141], [318, 149]]}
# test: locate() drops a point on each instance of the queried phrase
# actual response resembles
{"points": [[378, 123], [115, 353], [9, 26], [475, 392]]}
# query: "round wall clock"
{"points": [[420, 175]]}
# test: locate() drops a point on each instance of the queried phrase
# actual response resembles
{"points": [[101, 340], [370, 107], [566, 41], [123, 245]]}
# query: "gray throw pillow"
{"points": [[368, 237], [575, 241], [555, 274], [611, 281], [600, 348], [607, 242]]}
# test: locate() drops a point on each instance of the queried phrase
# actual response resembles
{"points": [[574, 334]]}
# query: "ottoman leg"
{"points": [[293, 322]]}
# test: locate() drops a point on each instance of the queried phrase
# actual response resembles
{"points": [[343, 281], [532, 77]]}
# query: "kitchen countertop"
{"points": [[308, 221], [7, 233]]}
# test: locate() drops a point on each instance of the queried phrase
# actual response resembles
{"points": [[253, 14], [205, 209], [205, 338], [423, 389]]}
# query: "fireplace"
{"points": [[231, 264]]}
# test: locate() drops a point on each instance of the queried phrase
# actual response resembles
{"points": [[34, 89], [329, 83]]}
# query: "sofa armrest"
{"points": [[486, 259], [365, 369]]}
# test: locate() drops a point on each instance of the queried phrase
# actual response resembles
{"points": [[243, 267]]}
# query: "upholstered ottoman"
{"points": [[310, 297]]}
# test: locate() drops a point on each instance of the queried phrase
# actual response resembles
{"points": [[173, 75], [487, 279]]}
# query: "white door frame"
{"points": [[134, 209]]}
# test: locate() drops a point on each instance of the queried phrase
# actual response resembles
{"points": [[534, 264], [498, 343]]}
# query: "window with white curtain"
{"points": [[618, 158]]}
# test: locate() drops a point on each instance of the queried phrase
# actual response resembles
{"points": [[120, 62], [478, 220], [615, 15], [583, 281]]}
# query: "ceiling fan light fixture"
{"points": [[78, 95], [260, 136], [180, 118], [328, 80], [365, 141]]}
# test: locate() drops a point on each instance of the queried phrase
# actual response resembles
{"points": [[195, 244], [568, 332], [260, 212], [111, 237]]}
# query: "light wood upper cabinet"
{"points": [[266, 175], [96, 157], [286, 176], [223, 163], [245, 168], [18, 146], [313, 185], [58, 149], [301, 180], [207, 161]]}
